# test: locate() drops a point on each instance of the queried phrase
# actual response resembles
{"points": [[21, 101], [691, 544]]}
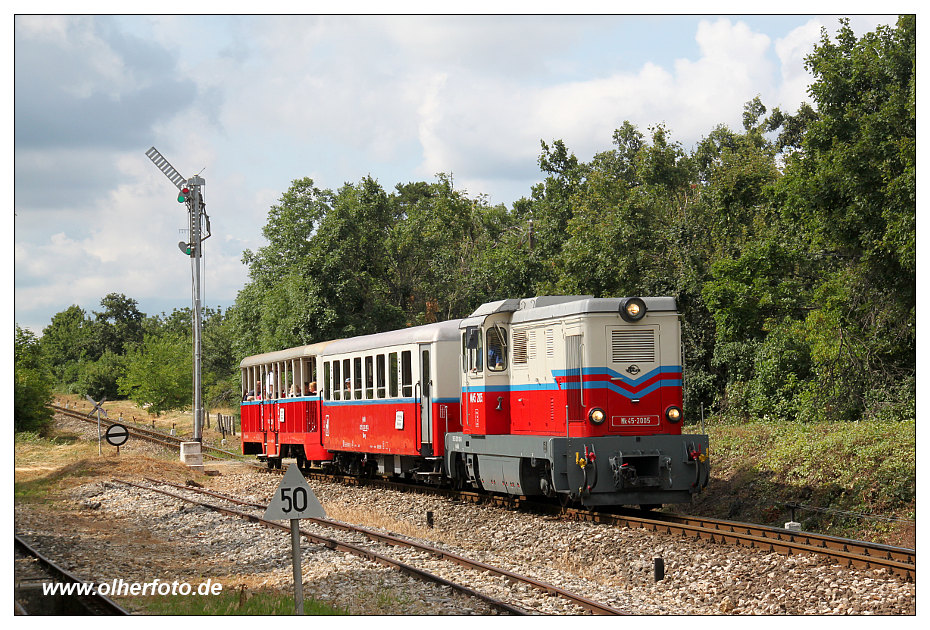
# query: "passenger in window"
{"points": [[495, 361], [310, 388]]}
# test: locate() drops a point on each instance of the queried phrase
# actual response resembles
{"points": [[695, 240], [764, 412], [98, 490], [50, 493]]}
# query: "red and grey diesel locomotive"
{"points": [[564, 396]]}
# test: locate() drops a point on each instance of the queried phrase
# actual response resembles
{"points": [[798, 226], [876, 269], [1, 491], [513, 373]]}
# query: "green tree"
{"points": [[32, 387], [99, 378], [158, 373], [851, 185], [119, 324], [66, 342]]}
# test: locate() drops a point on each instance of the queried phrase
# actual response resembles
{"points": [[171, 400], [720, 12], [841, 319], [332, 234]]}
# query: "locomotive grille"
{"points": [[632, 346], [519, 346]]}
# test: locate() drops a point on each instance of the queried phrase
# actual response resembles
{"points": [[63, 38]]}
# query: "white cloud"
{"points": [[791, 51], [262, 100], [486, 123]]}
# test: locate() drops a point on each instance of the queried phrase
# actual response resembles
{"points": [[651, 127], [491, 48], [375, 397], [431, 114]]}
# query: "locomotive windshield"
{"points": [[472, 351], [497, 349]]}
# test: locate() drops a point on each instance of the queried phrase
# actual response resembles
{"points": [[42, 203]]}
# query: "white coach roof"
{"points": [[299, 352], [440, 331]]}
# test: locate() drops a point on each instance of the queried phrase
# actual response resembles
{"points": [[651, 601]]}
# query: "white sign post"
{"points": [[98, 408], [294, 500]]}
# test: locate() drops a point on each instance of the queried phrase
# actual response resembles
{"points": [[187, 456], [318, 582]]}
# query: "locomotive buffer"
{"points": [[294, 500]]}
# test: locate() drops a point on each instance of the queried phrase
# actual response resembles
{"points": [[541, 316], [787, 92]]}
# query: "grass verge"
{"points": [[865, 468], [232, 602]]}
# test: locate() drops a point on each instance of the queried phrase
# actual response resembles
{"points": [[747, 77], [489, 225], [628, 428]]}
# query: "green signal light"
{"points": [[185, 193]]}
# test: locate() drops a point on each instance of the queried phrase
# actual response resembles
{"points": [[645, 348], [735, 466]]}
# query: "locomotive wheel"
{"points": [[458, 480]]}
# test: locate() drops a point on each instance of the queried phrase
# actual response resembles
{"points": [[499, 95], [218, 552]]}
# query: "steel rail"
{"points": [[93, 604], [862, 548], [847, 552], [345, 547], [586, 603], [147, 434], [757, 537]]}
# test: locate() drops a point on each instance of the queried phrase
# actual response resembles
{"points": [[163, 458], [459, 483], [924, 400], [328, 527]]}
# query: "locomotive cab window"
{"points": [[497, 349], [472, 350]]}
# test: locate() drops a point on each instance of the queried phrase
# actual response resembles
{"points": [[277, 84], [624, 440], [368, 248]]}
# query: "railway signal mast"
{"points": [[190, 193]]}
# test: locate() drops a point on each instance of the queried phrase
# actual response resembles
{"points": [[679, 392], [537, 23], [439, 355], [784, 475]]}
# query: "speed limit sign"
{"points": [[295, 500]]}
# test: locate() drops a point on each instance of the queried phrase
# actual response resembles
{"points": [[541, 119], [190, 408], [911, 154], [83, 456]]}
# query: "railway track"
{"points": [[157, 437], [393, 541], [846, 552], [32, 570], [853, 553]]}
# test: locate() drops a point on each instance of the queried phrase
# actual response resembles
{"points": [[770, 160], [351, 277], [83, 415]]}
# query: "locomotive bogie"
{"points": [[610, 470]]}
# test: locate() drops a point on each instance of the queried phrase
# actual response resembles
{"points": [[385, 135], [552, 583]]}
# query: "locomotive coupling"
{"points": [[696, 454], [589, 456]]}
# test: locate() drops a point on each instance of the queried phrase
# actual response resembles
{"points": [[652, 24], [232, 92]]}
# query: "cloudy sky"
{"points": [[254, 102]]}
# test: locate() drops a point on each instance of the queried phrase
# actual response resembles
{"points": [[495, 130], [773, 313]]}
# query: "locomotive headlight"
{"points": [[597, 416], [673, 414], [632, 309]]}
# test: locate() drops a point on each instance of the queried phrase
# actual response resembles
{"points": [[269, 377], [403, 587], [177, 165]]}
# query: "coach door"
{"points": [[574, 377], [426, 403]]}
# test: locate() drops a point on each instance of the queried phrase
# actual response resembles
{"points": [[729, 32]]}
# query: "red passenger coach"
{"points": [[389, 399], [281, 408]]}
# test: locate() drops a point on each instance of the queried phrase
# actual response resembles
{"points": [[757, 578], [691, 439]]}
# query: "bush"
{"points": [[32, 386]]}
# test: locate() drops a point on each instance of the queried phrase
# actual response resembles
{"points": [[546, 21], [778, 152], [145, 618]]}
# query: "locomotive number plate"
{"points": [[634, 421]]}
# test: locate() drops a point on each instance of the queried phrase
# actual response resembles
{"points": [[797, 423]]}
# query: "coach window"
{"points": [[497, 350], [357, 380], [326, 380], [369, 377], [337, 381], [392, 371], [407, 373], [379, 360], [347, 379]]}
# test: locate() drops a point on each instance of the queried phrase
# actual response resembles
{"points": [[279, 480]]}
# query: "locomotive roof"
{"points": [[584, 305], [298, 352], [440, 331]]}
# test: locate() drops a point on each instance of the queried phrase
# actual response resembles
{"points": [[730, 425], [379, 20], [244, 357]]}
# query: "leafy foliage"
{"points": [[32, 389], [158, 373], [790, 246]]}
